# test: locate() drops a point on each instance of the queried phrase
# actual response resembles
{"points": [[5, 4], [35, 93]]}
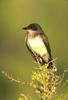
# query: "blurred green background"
{"points": [[52, 15]]}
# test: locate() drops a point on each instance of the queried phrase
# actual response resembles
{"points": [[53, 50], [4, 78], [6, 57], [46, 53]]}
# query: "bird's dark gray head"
{"points": [[33, 27]]}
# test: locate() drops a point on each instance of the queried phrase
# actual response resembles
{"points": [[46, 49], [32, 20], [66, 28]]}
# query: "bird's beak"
{"points": [[24, 28]]}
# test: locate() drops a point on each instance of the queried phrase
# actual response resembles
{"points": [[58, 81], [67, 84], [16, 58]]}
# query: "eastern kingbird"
{"points": [[38, 44]]}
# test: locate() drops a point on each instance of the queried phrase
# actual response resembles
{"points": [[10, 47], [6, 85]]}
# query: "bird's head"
{"points": [[33, 27]]}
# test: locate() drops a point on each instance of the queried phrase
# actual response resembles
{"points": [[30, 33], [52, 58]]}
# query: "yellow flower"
{"points": [[37, 91], [33, 78], [53, 89], [43, 79], [23, 97], [46, 65]]}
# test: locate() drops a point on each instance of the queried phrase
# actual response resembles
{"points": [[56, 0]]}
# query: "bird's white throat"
{"points": [[31, 32]]}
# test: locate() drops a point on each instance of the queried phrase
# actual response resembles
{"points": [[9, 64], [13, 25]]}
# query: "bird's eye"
{"points": [[34, 28]]}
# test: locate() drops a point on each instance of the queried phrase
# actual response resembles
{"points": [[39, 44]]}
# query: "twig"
{"points": [[15, 80], [53, 60]]}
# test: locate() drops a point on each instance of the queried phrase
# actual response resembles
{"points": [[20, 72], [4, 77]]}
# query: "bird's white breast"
{"points": [[37, 45]]}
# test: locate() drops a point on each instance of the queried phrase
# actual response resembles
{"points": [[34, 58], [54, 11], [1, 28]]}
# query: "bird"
{"points": [[38, 44]]}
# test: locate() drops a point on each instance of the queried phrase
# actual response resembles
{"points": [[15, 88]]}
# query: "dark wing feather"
{"points": [[46, 42]]}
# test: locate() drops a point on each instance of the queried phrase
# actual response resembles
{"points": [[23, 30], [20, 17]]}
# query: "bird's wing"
{"points": [[46, 42]]}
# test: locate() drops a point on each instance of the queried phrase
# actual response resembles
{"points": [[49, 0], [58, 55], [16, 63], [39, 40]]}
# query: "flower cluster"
{"points": [[44, 81]]}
